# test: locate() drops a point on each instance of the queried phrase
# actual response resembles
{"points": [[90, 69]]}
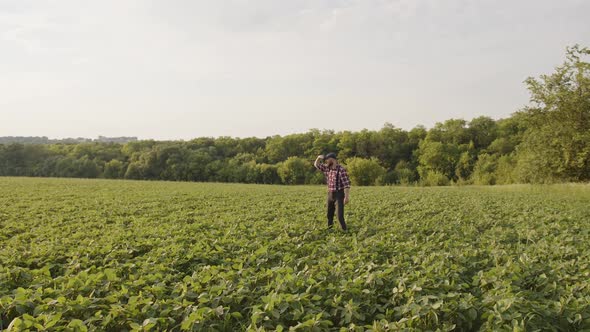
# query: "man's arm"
{"points": [[317, 163], [346, 183]]}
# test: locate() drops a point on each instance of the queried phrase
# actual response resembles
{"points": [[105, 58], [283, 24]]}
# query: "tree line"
{"points": [[545, 142]]}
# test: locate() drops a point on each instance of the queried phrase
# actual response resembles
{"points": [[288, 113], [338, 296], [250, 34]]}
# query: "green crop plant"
{"points": [[96, 255]]}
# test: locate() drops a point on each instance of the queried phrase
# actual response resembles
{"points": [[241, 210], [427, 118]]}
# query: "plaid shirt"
{"points": [[331, 175]]}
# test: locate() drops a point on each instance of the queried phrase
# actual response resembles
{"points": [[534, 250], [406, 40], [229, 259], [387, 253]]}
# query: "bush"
{"points": [[293, 170], [389, 178], [484, 172], [134, 171], [404, 173], [434, 178], [114, 169], [268, 173], [365, 172], [505, 170], [316, 178]]}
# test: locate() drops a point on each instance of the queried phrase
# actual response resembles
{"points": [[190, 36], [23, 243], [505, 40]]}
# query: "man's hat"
{"points": [[331, 155]]}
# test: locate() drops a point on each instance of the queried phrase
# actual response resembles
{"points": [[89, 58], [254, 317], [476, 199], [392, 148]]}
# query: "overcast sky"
{"points": [[183, 69]]}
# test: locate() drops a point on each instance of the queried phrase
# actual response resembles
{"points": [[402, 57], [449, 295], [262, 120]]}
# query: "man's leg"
{"points": [[331, 210], [341, 210]]}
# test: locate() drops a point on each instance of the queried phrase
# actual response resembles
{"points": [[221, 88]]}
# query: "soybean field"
{"points": [[115, 255]]}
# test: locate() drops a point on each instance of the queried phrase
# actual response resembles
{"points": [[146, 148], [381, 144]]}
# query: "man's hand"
{"points": [[346, 195], [316, 163]]}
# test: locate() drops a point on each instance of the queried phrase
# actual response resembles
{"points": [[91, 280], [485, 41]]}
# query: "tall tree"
{"points": [[557, 145]]}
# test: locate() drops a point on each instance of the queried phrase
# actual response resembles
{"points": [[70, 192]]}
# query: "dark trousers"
{"points": [[336, 198]]}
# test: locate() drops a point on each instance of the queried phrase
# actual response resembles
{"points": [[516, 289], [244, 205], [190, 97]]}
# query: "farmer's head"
{"points": [[331, 159]]}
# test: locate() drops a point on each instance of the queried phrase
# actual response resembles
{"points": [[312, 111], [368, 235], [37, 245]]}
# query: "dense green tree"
{"points": [[464, 166], [434, 178], [87, 168], [13, 160], [484, 172], [557, 145], [404, 173], [280, 148], [323, 142], [114, 169], [365, 172], [268, 174], [138, 147], [483, 131], [197, 163], [134, 171], [438, 157], [505, 170], [416, 135], [501, 146], [453, 131], [393, 146], [294, 170]]}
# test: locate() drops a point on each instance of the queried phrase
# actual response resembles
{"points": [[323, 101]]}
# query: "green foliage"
{"points": [[267, 174], [557, 147], [434, 178], [281, 148], [546, 142], [364, 172], [453, 131], [103, 255], [323, 141], [393, 146], [404, 173], [484, 172], [437, 158], [505, 170], [483, 131], [114, 169], [294, 170], [501, 146], [134, 171], [464, 166]]}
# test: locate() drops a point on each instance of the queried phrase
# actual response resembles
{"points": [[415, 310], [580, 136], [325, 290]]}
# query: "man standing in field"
{"points": [[338, 186]]}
